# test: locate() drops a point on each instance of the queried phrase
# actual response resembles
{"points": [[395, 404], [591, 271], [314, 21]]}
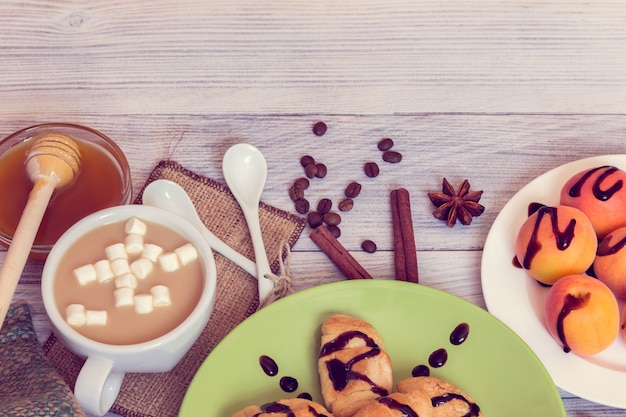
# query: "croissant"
{"points": [[353, 365], [446, 399], [397, 404], [288, 407]]}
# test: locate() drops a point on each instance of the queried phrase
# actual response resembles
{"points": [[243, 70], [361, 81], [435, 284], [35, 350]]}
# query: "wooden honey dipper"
{"points": [[52, 162]]}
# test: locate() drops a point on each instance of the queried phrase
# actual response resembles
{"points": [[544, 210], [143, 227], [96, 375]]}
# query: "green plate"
{"points": [[493, 365]]}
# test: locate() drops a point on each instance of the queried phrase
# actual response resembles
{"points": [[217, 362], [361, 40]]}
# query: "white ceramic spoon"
{"points": [[172, 197], [245, 171]]}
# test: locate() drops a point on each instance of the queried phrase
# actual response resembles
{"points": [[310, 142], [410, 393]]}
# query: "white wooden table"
{"points": [[495, 93]]}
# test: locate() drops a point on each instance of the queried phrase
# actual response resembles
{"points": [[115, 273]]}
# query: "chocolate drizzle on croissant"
{"points": [[341, 373], [445, 398], [277, 407], [392, 404]]}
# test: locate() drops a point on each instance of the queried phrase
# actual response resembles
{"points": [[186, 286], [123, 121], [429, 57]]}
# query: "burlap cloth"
{"points": [[29, 384], [161, 394]]}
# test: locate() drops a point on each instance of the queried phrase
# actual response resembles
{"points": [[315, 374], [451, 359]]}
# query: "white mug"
{"points": [[100, 378]]}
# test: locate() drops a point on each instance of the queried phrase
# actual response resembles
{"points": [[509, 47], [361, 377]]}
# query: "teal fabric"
{"points": [[29, 384]]}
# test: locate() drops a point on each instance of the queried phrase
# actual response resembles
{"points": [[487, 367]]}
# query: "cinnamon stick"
{"points": [[405, 253], [339, 255]]}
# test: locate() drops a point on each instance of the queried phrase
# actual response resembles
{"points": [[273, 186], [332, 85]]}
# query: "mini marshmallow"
{"points": [[120, 267], [161, 295], [169, 261], [186, 253], [124, 297], [103, 270], [116, 251], [75, 315], [85, 274], [141, 267], [134, 244], [126, 281], [143, 303], [151, 251], [135, 226], [96, 317]]}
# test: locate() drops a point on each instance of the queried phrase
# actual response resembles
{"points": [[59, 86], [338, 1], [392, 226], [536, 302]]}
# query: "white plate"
{"points": [[517, 299]]}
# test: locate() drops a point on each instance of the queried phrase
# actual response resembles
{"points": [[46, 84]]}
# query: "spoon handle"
{"points": [[220, 246], [170, 196], [23, 239], [262, 264]]}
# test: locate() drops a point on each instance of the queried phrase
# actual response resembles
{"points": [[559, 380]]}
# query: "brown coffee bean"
{"points": [[368, 246], [321, 170], [296, 192], [324, 206], [385, 144], [315, 219], [371, 169], [353, 190], [392, 157], [332, 219], [319, 128], [302, 205], [334, 230], [346, 204], [310, 170], [302, 183], [307, 160]]}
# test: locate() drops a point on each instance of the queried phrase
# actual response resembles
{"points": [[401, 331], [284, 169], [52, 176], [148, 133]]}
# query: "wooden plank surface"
{"points": [[354, 56], [494, 92]]}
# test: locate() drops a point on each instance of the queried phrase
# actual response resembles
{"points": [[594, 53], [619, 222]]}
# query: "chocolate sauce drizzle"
{"points": [[534, 207], [277, 408], [341, 373], [269, 365], [474, 409], [420, 370], [570, 303], [598, 193], [288, 384], [438, 358], [459, 334], [605, 248], [282, 408], [392, 404], [563, 238]]}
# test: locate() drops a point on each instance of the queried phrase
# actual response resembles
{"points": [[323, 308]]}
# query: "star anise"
{"points": [[461, 205]]}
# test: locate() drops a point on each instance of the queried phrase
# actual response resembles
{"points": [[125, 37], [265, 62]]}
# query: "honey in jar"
{"points": [[102, 181]]}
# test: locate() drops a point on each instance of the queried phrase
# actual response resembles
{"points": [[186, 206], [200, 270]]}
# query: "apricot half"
{"points": [[610, 263], [623, 327], [600, 193], [554, 242], [582, 314]]}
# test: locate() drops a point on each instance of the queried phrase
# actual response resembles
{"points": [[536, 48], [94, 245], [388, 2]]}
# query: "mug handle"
{"points": [[97, 385]]}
